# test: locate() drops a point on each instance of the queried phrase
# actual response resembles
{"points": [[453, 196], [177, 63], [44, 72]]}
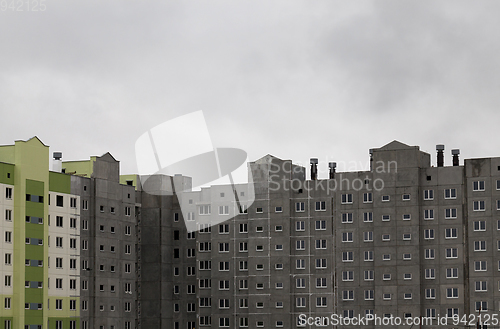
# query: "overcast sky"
{"points": [[296, 79]]}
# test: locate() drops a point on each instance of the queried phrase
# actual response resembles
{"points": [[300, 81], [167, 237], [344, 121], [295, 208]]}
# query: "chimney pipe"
{"points": [[57, 162], [440, 155], [456, 161], [314, 168], [332, 166], [371, 159]]}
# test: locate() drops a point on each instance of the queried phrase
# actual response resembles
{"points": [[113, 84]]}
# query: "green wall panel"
{"points": [[59, 182], [5, 169]]}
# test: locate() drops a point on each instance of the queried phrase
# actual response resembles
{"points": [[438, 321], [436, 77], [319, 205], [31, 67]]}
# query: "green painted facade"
{"points": [[25, 165], [81, 168], [125, 178]]}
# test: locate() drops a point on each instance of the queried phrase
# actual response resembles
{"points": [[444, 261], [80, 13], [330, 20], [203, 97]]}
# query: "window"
{"points": [[243, 322], [223, 247], [430, 312], [478, 186], [243, 284], [7, 302], [127, 307], [430, 253], [430, 293], [346, 237], [59, 262], [320, 225], [300, 283], [279, 285], [406, 256], [429, 234], [451, 253], [243, 265], [8, 215], [223, 228], [347, 275], [407, 236], [369, 275], [481, 306], [386, 277], [368, 256], [347, 217], [223, 303], [321, 283], [59, 221], [367, 198], [450, 213], [385, 256], [407, 276], [243, 228], [429, 214], [278, 228], [479, 245], [322, 302], [59, 304], [127, 268], [407, 296], [450, 233], [480, 225], [481, 286], [259, 248], [386, 237], [223, 266], [368, 217], [278, 209], [128, 250], [406, 197], [300, 226], [452, 273], [346, 198], [450, 193], [428, 194], [368, 236], [300, 207], [204, 209], [386, 218], [430, 273], [478, 206], [386, 296], [8, 193], [348, 256], [59, 201], [407, 217], [278, 247], [386, 198], [259, 210], [300, 302], [8, 236], [59, 242], [223, 210], [480, 266], [452, 293], [224, 285], [300, 264]]}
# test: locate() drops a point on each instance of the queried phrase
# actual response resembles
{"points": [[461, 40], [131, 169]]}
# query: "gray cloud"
{"points": [[296, 79]]}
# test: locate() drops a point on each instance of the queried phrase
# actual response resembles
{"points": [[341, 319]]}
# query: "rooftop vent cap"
{"points": [[57, 155], [455, 152], [440, 147], [314, 161], [332, 165]]}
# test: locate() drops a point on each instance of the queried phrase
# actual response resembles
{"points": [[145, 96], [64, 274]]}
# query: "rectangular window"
{"points": [[450, 233], [481, 286], [348, 256], [480, 266], [346, 237], [369, 275], [451, 253], [8, 193], [368, 236], [450, 213], [300, 207], [478, 186], [406, 197], [479, 245], [429, 214], [428, 194], [243, 228], [430, 253], [429, 234], [368, 217], [450, 193], [430, 273], [480, 225], [367, 198], [320, 225], [452, 293], [479, 206], [346, 198], [368, 256], [300, 226], [347, 218], [452, 273], [386, 218]]}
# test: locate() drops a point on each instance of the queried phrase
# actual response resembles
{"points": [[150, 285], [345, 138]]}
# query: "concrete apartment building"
{"points": [[404, 238]]}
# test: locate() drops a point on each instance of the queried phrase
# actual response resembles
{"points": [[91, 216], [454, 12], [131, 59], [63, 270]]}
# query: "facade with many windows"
{"points": [[88, 248]]}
